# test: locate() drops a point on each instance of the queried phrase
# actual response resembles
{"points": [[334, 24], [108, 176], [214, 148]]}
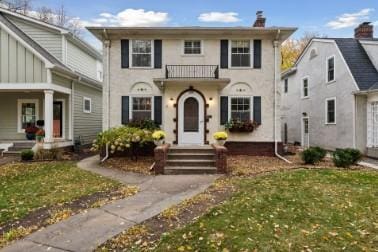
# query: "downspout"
{"points": [[276, 74], [106, 153], [107, 45]]}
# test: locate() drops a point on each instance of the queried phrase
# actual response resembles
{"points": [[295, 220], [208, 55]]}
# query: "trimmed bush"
{"points": [[313, 155], [346, 157], [355, 154], [27, 155]]}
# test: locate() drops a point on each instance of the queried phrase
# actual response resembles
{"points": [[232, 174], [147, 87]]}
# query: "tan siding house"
{"points": [[47, 74]]}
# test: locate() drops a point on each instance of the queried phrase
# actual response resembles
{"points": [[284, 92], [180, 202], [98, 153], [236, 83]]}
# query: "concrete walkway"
{"points": [[368, 162], [85, 231]]}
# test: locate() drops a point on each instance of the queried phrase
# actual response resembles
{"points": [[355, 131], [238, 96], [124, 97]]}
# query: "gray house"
{"points": [[330, 96], [46, 73]]}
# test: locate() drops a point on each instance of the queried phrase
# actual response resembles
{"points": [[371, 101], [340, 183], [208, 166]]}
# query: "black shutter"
{"points": [[223, 110], [257, 109], [257, 54], [125, 53], [125, 110], [224, 53], [157, 53], [158, 110]]}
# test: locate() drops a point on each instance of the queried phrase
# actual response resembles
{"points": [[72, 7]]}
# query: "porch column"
{"points": [[49, 103]]}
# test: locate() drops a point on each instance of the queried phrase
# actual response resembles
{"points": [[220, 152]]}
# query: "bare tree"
{"points": [[20, 6], [45, 14]]}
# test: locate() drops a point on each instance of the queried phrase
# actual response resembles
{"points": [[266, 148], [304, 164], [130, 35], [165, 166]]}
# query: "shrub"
{"points": [[342, 158], [354, 153], [27, 155], [143, 124], [313, 155], [122, 138], [52, 154]]}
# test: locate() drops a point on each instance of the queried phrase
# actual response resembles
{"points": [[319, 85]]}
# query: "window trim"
{"points": [[131, 54], [19, 111], [131, 109], [334, 69], [250, 54], [240, 96], [90, 105], [192, 55], [326, 110], [308, 87]]}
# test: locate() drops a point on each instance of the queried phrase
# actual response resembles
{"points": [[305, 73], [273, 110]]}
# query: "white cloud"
{"points": [[129, 17], [222, 17], [347, 20]]}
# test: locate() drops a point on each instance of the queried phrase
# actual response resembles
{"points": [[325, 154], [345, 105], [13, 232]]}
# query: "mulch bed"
{"points": [[145, 235], [142, 165]]}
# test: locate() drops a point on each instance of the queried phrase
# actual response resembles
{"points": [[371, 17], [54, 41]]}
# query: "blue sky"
{"points": [[334, 18]]}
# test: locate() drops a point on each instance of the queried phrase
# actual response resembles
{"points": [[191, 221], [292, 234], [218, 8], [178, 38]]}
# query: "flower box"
{"points": [[235, 126]]}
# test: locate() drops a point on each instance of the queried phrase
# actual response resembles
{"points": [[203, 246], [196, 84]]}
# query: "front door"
{"points": [[305, 133], [58, 119], [191, 119]]}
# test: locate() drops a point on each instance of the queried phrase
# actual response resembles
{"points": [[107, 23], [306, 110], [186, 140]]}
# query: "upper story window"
{"points": [[240, 53], [141, 108], [192, 47], [240, 108], [305, 88], [331, 69], [331, 111], [141, 51], [286, 85]]}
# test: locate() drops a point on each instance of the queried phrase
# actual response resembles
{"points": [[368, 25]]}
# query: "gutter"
{"points": [[276, 74]]}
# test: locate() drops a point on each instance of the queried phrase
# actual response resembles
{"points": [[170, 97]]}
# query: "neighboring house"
{"points": [[193, 80], [330, 96], [47, 73]]}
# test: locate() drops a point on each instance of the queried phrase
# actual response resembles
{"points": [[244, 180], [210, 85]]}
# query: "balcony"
{"points": [[192, 72]]}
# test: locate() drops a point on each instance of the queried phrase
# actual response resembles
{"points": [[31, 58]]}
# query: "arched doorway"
{"points": [[191, 119]]}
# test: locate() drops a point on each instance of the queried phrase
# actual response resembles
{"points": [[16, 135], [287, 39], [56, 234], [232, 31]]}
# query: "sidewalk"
{"points": [[86, 231]]}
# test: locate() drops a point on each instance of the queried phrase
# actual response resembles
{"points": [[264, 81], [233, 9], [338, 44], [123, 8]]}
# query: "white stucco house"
{"points": [[330, 96], [46, 73], [193, 80]]}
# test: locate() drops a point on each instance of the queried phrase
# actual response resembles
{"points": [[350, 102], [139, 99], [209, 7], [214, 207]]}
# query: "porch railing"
{"points": [[192, 71]]}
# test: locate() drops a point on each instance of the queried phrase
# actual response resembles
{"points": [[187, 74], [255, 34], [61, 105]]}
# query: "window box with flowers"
{"points": [[241, 126]]}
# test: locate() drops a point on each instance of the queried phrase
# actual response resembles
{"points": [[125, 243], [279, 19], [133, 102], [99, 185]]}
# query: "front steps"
{"points": [[190, 160], [18, 147]]}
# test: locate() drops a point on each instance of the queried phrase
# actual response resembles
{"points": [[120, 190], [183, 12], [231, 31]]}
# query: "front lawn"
{"points": [[304, 210], [26, 187]]}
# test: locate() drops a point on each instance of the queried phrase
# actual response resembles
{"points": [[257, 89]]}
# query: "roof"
{"points": [[363, 70], [359, 63], [44, 53], [103, 33], [61, 30]]}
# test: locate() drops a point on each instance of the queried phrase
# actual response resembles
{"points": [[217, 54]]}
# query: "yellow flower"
{"points": [[158, 135], [220, 135]]}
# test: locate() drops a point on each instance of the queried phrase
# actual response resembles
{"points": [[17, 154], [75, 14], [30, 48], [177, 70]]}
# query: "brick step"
{"points": [[191, 150], [191, 156], [190, 162], [186, 170]]}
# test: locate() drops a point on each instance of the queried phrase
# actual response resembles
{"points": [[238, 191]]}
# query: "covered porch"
{"points": [[20, 109]]}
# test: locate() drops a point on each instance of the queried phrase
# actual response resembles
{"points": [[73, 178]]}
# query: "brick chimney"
{"points": [[260, 19], [364, 31]]}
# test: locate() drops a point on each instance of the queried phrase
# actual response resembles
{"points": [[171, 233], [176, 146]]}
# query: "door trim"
{"points": [[206, 119], [63, 123]]}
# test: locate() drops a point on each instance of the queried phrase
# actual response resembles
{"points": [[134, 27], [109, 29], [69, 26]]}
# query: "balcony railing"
{"points": [[192, 71]]}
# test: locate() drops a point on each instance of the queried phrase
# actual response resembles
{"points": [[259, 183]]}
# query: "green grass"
{"points": [[26, 187], [308, 210]]}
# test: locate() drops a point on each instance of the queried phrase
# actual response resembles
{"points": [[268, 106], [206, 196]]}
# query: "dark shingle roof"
{"points": [[359, 63]]}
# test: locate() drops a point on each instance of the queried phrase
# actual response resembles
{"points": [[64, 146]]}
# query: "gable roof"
{"points": [[360, 65], [58, 65]]}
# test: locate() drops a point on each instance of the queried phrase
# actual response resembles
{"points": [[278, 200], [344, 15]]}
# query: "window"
{"points": [[192, 47], [331, 111], [27, 113], [141, 53], [240, 53], [286, 85], [87, 105], [331, 69], [241, 108], [305, 88], [141, 108]]}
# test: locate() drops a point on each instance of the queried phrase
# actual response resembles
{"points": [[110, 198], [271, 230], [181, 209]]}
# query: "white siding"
{"points": [[81, 61]]}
